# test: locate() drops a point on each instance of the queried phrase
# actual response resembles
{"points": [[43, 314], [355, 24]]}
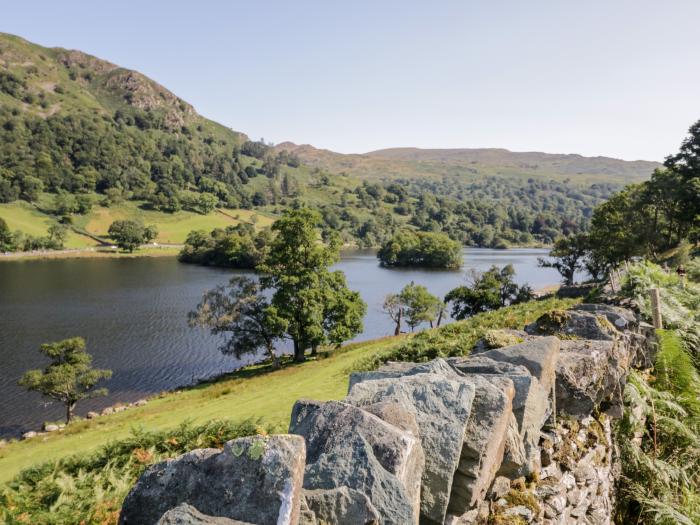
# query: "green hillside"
{"points": [[474, 164], [74, 124]]}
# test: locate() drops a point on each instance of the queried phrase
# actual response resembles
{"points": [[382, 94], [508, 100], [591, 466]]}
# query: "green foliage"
{"points": [[296, 270], [6, 237], [237, 246], [489, 290], [568, 257], [414, 305], [69, 377], [680, 304], [130, 234], [90, 488], [243, 315], [659, 439], [428, 250]]}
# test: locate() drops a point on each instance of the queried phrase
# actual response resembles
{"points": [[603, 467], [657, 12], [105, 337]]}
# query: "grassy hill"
{"points": [[71, 122], [173, 228], [474, 164]]}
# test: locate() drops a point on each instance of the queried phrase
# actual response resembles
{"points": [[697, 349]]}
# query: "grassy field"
{"points": [[173, 228], [259, 393], [22, 216]]}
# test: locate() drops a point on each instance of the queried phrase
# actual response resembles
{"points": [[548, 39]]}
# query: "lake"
{"points": [[132, 313]]}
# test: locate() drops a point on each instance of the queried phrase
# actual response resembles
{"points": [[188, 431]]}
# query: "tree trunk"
{"points": [[314, 350], [439, 319], [274, 357], [397, 330], [298, 352], [69, 412]]}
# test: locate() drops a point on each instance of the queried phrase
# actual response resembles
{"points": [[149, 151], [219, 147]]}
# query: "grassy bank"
{"points": [[173, 228], [92, 253], [259, 393]]}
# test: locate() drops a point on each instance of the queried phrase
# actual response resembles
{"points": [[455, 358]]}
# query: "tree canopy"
{"points": [[422, 249], [237, 246], [129, 234], [489, 290], [297, 297], [243, 316], [69, 377]]}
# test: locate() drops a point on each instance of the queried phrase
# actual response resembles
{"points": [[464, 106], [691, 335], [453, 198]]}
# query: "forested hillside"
{"points": [[77, 132]]}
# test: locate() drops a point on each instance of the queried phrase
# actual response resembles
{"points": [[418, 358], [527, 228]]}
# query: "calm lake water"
{"points": [[132, 313]]}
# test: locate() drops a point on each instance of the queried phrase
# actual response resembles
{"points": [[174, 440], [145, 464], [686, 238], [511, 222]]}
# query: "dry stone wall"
{"points": [[512, 435]]}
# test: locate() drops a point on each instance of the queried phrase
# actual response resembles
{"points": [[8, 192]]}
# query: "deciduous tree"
{"points": [[69, 377]]}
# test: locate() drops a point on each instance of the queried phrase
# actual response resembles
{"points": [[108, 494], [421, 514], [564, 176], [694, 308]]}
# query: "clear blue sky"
{"points": [[596, 77]]}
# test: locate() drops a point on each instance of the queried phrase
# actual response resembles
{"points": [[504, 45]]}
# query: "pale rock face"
{"points": [[341, 506], [185, 514], [253, 480], [441, 407], [531, 408], [350, 447], [484, 441]]}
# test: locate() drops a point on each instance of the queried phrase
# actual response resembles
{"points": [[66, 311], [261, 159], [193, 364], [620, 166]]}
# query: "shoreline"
{"points": [[92, 253], [165, 250]]}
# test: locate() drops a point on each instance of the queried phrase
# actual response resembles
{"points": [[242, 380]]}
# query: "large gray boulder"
{"points": [[621, 318], [484, 441], [538, 355], [342, 506], [591, 374], [254, 479], [394, 369], [531, 408], [350, 447], [185, 514], [441, 407]]}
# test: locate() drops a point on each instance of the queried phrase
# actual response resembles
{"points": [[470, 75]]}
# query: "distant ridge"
{"points": [[417, 162]]}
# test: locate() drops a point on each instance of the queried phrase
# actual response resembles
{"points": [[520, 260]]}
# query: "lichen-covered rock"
{"points": [[531, 408], [441, 407], [591, 374], [499, 339], [538, 355], [342, 506], [185, 514], [254, 479], [350, 447], [621, 318], [573, 324], [484, 441]]}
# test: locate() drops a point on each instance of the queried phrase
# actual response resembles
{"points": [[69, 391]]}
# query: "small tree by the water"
{"points": [[69, 377], [567, 257], [414, 305], [489, 290], [129, 234]]}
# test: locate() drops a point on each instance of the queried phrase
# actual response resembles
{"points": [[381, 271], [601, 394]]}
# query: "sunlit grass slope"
{"points": [[256, 392]]}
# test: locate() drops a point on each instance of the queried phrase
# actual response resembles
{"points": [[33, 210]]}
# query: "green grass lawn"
{"points": [[22, 216], [173, 228]]}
